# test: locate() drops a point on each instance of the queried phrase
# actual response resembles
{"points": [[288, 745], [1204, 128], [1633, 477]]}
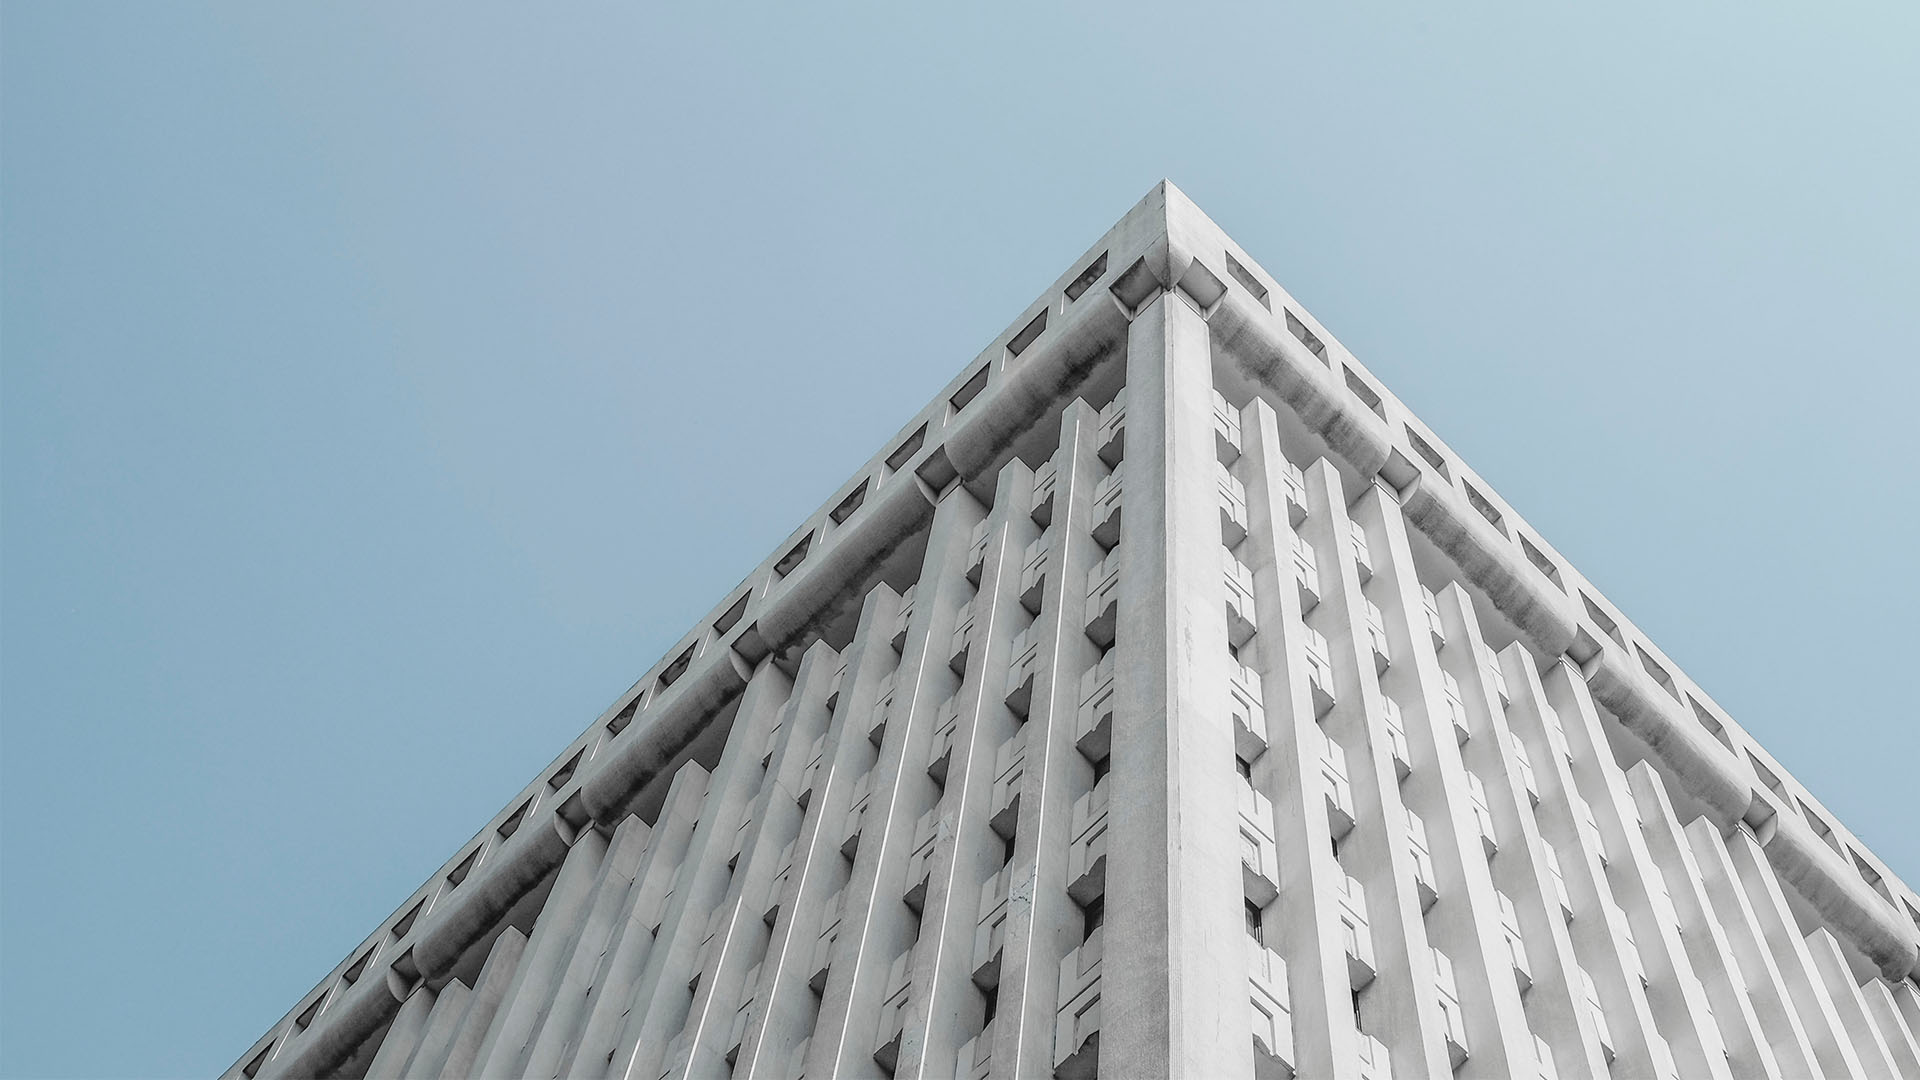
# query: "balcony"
{"points": [[1377, 638], [777, 888], [1590, 828], [1233, 507], [1106, 507], [743, 1017], [926, 835], [830, 921], [893, 1011], [1093, 723], [1226, 429], [1374, 1062], [1241, 622], [1023, 669], [1516, 946], [1294, 479], [1103, 600], [961, 644], [1339, 792], [810, 775], [1447, 995], [797, 1061], [1249, 718], [903, 619], [1319, 672], [946, 728], [1009, 769], [1033, 573], [990, 936], [977, 552], [1357, 936], [976, 1057], [1397, 737], [1076, 1037], [1087, 852], [1456, 709], [1423, 879], [1482, 816], [1272, 1015], [1598, 1014], [1430, 604], [1524, 765], [1110, 436], [1306, 573], [1558, 880], [1543, 1061], [882, 709], [856, 816], [1362, 555], [1259, 857], [1045, 478], [834, 684], [1496, 676]]}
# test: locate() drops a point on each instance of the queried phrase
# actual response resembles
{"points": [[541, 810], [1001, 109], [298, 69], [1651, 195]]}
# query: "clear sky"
{"points": [[384, 388]]}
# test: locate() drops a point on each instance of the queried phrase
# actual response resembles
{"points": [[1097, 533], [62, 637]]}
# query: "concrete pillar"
{"points": [[496, 975], [1174, 1000], [403, 1037], [436, 1039]]}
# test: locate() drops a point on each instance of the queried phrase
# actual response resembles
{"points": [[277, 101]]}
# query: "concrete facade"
{"points": [[1165, 700]]}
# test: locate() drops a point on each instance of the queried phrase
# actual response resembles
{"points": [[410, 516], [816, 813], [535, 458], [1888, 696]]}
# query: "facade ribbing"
{"points": [[1165, 700]]}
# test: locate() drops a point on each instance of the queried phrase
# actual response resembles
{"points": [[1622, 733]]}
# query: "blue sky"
{"points": [[382, 390]]}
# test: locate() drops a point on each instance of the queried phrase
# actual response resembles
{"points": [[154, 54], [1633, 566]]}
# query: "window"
{"points": [[354, 970], [1427, 453], [1248, 282], [305, 1019], [1711, 722], [991, 1008], [1255, 927], [1243, 767], [905, 451], [1093, 917], [459, 873], [672, 672], [1365, 393], [1299, 330], [1659, 673], [731, 617], [512, 824], [851, 503], [565, 773], [1540, 562], [406, 922], [253, 1067], [794, 557], [1602, 620], [1480, 502], [1028, 335], [625, 716], [1087, 277], [969, 390]]}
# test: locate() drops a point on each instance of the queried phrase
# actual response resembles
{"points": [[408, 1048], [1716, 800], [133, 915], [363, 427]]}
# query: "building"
{"points": [[1165, 700]]}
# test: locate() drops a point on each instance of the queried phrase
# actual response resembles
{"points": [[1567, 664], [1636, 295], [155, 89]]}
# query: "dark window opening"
{"points": [[905, 451], [969, 390], [1247, 281], [1028, 335], [1087, 277], [1307, 337], [565, 773], [1093, 917], [849, 504], [1256, 923], [794, 557]]}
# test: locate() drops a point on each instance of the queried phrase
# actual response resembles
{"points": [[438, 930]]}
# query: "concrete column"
{"points": [[1303, 922], [1174, 1001], [555, 931], [1830, 966], [1043, 922], [403, 1037], [632, 941], [1748, 1051], [436, 1039], [1792, 1045], [1464, 923], [567, 999], [496, 975]]}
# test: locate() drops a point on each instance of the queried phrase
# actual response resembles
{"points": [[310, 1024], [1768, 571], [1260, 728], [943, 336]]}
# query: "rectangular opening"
{"points": [[1819, 825], [625, 716], [354, 969], [794, 557], [459, 873], [1711, 722], [406, 922], [1768, 778], [1480, 502], [1026, 336], [673, 671], [1365, 393], [731, 617], [848, 505], [1427, 453], [1659, 673], [1247, 281], [1602, 620], [565, 773], [512, 824], [969, 390], [1912, 913], [1307, 337], [905, 451], [1541, 563], [1091, 274], [305, 1019], [1872, 877], [259, 1061]]}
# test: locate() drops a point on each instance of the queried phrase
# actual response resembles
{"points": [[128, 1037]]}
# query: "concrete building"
{"points": [[1165, 700]]}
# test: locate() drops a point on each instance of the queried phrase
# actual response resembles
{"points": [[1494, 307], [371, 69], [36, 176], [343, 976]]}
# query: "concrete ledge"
{"points": [[522, 863], [340, 1030], [1845, 902], [650, 744], [1708, 770], [1545, 615]]}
